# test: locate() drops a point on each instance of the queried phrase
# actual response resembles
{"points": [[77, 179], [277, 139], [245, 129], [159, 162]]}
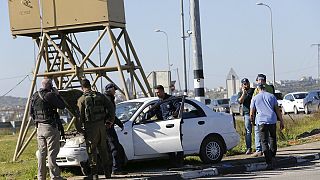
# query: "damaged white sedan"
{"points": [[197, 131]]}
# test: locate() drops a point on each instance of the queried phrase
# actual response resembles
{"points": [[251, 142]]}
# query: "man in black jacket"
{"points": [[43, 111], [165, 109], [117, 151]]}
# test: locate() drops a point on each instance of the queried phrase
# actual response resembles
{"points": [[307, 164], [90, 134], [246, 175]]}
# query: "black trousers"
{"points": [[268, 137], [117, 151]]}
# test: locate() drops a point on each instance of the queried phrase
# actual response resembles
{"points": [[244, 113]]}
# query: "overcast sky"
{"points": [[235, 34]]}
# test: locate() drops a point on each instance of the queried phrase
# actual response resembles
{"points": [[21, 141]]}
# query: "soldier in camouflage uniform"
{"points": [[96, 114]]}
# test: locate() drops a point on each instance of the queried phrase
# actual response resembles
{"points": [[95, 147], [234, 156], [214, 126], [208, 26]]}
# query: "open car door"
{"points": [[156, 136]]}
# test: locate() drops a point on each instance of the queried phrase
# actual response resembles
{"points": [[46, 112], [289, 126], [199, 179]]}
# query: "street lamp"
{"points": [[273, 65], [158, 30]]}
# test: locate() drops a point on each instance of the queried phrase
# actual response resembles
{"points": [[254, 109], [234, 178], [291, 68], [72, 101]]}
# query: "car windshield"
{"points": [[223, 101], [300, 95], [125, 111]]}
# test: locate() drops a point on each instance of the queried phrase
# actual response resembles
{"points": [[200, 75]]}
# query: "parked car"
{"points": [[220, 105], [293, 102], [204, 132], [235, 106], [279, 97], [312, 101]]}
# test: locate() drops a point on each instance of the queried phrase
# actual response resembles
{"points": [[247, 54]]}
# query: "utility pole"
{"points": [[318, 60], [184, 51], [197, 51]]}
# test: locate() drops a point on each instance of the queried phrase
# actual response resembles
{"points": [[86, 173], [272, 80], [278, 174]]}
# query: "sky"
{"points": [[234, 33]]}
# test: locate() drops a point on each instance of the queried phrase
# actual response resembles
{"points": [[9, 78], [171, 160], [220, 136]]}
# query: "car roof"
{"points": [[145, 99], [298, 93]]}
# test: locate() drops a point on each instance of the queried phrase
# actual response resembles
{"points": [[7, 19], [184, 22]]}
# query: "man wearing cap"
{"points": [[244, 98], [43, 111], [264, 110], [261, 79], [116, 149]]}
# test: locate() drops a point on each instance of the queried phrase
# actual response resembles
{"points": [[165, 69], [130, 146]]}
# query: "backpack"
{"points": [[94, 107]]}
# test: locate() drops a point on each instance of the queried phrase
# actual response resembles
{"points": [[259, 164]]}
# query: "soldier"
{"points": [[43, 111], [96, 114], [117, 151]]}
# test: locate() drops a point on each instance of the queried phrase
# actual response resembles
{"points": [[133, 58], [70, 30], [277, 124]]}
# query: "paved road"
{"points": [[306, 171]]}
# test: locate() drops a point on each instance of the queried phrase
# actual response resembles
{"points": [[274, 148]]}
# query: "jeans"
{"points": [[268, 141], [257, 138], [248, 127]]}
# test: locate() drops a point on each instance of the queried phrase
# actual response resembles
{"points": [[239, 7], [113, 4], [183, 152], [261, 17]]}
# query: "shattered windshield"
{"points": [[125, 111]]}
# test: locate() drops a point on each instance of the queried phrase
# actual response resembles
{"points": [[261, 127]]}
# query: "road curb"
{"points": [[229, 169], [199, 173]]}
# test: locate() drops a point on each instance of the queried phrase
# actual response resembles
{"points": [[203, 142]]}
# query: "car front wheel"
{"points": [[306, 109], [211, 150], [295, 110]]}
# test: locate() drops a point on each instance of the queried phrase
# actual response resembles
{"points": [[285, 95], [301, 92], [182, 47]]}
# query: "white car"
{"points": [[293, 102], [200, 131]]}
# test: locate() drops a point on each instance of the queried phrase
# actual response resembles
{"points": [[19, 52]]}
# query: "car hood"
{"points": [[77, 141]]}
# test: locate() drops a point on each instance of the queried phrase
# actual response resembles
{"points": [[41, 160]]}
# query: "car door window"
{"points": [[192, 110], [142, 117]]}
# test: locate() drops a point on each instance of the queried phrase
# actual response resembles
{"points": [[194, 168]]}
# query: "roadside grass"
{"points": [[26, 166], [294, 126]]}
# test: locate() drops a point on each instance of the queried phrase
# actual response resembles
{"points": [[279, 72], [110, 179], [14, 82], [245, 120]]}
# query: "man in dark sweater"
{"points": [[117, 151], [244, 98]]}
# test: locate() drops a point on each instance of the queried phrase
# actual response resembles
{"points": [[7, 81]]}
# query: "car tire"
{"points": [[295, 110], [211, 150], [306, 109]]}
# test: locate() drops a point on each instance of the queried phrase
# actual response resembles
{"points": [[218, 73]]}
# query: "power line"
{"points": [[13, 77], [15, 86]]}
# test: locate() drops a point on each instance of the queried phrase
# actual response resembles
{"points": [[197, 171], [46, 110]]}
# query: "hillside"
{"points": [[9, 101]]}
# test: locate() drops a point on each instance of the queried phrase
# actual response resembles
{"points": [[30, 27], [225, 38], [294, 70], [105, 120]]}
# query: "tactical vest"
{"points": [[94, 107], [41, 110]]}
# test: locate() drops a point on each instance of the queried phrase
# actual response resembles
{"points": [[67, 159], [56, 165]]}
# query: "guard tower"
{"points": [[55, 26]]}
